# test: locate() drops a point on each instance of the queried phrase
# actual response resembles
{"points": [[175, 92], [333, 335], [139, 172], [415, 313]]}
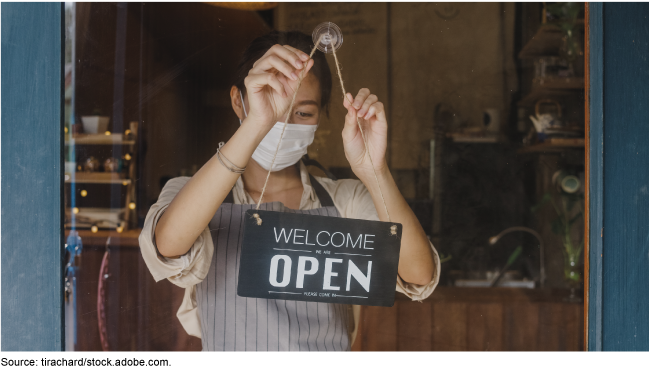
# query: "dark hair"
{"points": [[296, 39]]}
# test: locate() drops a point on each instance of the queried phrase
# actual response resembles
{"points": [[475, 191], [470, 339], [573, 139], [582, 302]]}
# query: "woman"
{"points": [[192, 234]]}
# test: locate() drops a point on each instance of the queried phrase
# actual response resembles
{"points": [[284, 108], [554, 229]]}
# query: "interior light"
{"points": [[84, 193], [128, 131], [107, 133], [124, 183], [131, 205], [94, 229], [75, 210], [65, 129], [127, 156]]}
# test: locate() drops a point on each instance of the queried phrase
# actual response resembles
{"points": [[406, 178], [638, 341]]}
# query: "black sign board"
{"points": [[315, 258]]}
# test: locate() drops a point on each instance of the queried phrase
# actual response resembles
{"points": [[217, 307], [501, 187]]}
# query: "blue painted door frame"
{"points": [[32, 239], [618, 226], [32, 172]]}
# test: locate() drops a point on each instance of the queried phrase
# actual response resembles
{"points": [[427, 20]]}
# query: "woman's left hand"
{"points": [[373, 121]]}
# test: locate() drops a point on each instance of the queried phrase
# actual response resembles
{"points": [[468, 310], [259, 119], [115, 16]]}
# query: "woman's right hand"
{"points": [[271, 82]]}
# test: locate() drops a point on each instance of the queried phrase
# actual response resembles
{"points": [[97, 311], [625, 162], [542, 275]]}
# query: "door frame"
{"points": [[32, 177], [617, 233], [593, 175], [32, 97]]}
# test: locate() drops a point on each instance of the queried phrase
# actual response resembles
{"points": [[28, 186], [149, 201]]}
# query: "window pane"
{"points": [[484, 104]]}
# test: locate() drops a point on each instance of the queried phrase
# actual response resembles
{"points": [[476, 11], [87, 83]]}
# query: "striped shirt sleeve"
{"points": [[188, 269]]}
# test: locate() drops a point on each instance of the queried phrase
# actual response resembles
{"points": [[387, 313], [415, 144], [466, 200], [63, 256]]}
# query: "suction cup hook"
{"points": [[326, 36]]}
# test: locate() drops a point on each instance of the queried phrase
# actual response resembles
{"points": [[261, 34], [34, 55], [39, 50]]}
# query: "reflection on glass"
{"points": [[485, 106]]}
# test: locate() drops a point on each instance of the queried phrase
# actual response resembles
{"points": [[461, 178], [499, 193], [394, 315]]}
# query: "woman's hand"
{"points": [[416, 262], [373, 121], [271, 82]]}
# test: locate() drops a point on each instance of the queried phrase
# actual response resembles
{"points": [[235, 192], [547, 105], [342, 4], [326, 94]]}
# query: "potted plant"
{"points": [[564, 198]]}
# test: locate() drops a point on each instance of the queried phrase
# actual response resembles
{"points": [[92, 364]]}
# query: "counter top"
{"points": [[495, 294]]}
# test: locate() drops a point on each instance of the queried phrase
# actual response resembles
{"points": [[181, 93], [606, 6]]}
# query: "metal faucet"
{"points": [[542, 273]]}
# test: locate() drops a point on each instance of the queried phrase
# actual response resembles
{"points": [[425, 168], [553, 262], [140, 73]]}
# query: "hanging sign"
{"points": [[316, 258]]}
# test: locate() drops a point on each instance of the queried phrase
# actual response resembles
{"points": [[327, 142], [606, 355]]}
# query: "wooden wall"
{"points": [[413, 56], [474, 319]]}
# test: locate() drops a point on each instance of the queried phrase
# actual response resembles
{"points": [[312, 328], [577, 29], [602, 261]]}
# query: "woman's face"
{"points": [[306, 109]]}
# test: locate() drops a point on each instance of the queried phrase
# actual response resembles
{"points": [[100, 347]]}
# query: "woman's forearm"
{"points": [[195, 204], [416, 258]]}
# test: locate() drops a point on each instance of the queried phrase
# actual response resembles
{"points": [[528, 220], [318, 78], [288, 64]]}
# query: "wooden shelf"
{"points": [[556, 88], [125, 239], [546, 42], [123, 182], [553, 145], [96, 177], [559, 83], [104, 217], [547, 93], [98, 139], [477, 139]]}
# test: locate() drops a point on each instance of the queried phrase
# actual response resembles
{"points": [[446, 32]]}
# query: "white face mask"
{"points": [[296, 139]]}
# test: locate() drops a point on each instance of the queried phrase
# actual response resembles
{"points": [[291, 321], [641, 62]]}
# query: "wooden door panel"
{"points": [[485, 327], [414, 326], [450, 326]]}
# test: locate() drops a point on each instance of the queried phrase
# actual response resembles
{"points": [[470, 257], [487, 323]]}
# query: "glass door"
{"points": [[485, 141]]}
